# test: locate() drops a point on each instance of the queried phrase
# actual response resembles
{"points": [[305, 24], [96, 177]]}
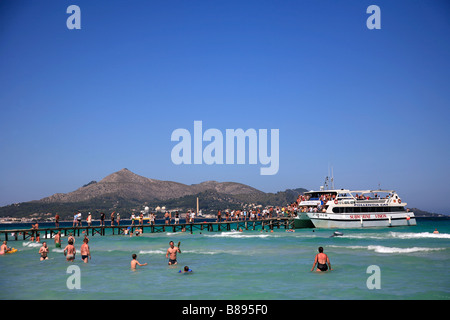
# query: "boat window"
{"points": [[367, 209]]}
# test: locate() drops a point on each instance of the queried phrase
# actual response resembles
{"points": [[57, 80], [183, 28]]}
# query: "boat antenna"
{"points": [[332, 178]]}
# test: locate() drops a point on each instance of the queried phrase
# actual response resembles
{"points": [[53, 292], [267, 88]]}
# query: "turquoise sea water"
{"points": [[251, 265]]}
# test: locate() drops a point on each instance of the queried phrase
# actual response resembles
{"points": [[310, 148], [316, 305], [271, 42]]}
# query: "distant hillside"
{"points": [[128, 185], [124, 191], [421, 213]]}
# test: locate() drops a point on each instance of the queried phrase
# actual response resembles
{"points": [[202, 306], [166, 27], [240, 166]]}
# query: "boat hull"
{"points": [[303, 221], [373, 220]]}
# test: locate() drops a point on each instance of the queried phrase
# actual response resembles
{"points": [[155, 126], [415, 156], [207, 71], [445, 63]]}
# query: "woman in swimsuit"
{"points": [[69, 251], [322, 260]]}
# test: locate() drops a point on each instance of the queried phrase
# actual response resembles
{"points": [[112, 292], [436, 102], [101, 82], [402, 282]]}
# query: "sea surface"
{"points": [[250, 265]]}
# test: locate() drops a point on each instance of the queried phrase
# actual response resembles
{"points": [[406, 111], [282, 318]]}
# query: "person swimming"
{"points": [[185, 270], [4, 248]]}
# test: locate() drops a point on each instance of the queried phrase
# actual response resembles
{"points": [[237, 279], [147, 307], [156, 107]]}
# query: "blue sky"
{"points": [[77, 105]]}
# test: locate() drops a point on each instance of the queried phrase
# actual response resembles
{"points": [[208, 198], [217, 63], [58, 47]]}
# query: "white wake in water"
{"points": [[420, 235], [382, 249], [398, 235], [31, 244], [388, 250], [237, 235], [152, 252]]}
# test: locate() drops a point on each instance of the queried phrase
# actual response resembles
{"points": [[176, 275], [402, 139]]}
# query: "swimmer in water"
{"points": [[186, 270], [134, 262], [85, 251], [322, 260], [4, 248], [172, 251], [69, 251], [43, 251]]}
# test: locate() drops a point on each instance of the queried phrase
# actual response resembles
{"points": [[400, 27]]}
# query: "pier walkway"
{"points": [[47, 233]]}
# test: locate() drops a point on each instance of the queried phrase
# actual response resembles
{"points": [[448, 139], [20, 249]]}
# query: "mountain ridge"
{"points": [[127, 184], [126, 191]]}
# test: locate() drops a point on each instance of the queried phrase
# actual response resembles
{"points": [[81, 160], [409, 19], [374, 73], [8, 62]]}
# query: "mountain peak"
{"points": [[124, 175], [125, 184]]}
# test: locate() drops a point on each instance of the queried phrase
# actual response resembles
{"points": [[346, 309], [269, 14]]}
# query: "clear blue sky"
{"points": [[77, 105]]}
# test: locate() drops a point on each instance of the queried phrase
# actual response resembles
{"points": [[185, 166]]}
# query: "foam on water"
{"points": [[383, 249], [152, 252], [238, 235], [420, 235], [397, 235], [31, 244]]}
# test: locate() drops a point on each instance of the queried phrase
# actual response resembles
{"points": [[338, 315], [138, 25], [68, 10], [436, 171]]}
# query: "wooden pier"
{"points": [[48, 233]]}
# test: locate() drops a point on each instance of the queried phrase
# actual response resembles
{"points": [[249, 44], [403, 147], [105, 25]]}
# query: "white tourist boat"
{"points": [[355, 209]]}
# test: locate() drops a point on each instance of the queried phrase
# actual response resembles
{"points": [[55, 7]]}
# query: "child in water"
{"points": [[185, 270], [134, 262]]}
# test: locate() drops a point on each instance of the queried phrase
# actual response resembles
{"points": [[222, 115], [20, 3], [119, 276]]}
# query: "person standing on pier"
{"points": [[167, 218], [152, 219], [75, 219], [79, 220], [57, 221], [102, 219], [89, 219], [219, 214]]}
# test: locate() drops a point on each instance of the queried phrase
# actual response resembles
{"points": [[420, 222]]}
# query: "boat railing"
{"points": [[370, 200]]}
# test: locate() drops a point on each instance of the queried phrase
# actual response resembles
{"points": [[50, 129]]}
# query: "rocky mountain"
{"points": [[125, 191], [128, 185]]}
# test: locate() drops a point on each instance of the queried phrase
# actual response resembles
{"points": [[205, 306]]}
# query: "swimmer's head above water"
{"points": [[185, 270]]}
